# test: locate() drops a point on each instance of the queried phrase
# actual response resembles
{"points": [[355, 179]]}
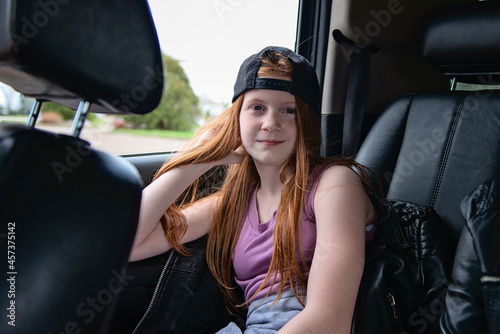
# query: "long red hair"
{"points": [[232, 194]]}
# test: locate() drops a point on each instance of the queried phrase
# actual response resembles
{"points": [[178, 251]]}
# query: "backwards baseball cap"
{"points": [[304, 82]]}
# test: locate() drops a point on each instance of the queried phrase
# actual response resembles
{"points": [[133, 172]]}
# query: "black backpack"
{"points": [[407, 270]]}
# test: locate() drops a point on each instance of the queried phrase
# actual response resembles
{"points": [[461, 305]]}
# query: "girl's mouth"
{"points": [[270, 142]]}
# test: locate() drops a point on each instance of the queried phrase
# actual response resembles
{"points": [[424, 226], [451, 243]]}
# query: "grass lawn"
{"points": [[137, 132], [13, 118]]}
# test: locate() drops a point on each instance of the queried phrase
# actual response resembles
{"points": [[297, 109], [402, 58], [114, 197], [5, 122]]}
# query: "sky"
{"points": [[211, 38]]}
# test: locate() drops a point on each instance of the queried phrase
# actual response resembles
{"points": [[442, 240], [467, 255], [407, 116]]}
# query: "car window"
{"points": [[204, 43], [471, 87]]}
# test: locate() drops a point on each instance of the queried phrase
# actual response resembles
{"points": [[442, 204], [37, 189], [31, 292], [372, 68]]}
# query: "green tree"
{"points": [[178, 108], [66, 113]]}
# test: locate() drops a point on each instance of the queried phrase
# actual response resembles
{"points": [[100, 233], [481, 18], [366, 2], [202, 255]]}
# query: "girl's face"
{"points": [[268, 126]]}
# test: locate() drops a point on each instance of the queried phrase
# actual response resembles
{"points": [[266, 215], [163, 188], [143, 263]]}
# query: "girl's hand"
{"points": [[234, 157]]}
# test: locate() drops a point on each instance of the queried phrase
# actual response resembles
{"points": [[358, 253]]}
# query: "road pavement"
{"points": [[102, 138]]}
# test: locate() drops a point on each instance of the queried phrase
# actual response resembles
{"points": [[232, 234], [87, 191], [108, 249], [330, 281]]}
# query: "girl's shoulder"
{"points": [[333, 172], [336, 174]]}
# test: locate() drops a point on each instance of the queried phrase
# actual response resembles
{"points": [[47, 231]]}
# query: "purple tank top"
{"points": [[254, 247]]}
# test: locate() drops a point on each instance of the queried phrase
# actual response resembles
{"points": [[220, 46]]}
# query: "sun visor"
{"points": [[102, 51]]}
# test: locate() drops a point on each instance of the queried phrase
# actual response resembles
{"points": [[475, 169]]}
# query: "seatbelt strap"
{"points": [[357, 88]]}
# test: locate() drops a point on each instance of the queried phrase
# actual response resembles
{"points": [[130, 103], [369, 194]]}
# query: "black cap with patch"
{"points": [[304, 83]]}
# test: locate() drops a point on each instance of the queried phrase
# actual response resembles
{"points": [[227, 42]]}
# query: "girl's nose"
{"points": [[272, 121]]}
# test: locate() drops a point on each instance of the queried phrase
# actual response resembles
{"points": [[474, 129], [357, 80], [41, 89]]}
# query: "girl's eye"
{"points": [[290, 111], [257, 108]]}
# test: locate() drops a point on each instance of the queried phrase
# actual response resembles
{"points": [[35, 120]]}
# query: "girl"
{"points": [[287, 226]]}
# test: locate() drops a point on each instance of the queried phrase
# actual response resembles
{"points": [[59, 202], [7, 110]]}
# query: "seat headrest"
{"points": [[463, 41], [103, 51]]}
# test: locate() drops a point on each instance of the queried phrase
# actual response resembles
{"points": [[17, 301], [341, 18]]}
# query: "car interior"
{"points": [[425, 117]]}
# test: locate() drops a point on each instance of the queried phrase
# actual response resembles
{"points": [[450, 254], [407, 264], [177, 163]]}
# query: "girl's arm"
{"points": [[342, 211], [150, 239]]}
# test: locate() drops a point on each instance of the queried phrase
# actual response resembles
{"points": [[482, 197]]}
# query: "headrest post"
{"points": [[34, 112], [79, 119], [453, 83]]}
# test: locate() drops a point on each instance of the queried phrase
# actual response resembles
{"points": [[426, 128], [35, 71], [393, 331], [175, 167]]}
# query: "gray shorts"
{"points": [[265, 318]]}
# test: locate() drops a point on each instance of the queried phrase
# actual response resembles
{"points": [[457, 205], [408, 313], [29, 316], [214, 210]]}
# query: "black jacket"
{"points": [[473, 298]]}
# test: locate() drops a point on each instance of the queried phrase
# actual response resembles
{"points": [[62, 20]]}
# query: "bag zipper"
{"points": [[155, 294], [392, 302], [395, 314]]}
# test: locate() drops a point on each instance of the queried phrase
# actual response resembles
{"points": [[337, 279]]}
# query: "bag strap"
{"points": [[357, 88]]}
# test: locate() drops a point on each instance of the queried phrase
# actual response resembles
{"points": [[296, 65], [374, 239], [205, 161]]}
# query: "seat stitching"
{"points": [[444, 161]]}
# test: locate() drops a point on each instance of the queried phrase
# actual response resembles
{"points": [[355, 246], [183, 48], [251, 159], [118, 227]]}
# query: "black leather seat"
{"points": [[69, 212], [435, 148]]}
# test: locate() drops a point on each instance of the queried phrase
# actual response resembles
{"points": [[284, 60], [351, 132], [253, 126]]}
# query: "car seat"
{"points": [[69, 212], [435, 148]]}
